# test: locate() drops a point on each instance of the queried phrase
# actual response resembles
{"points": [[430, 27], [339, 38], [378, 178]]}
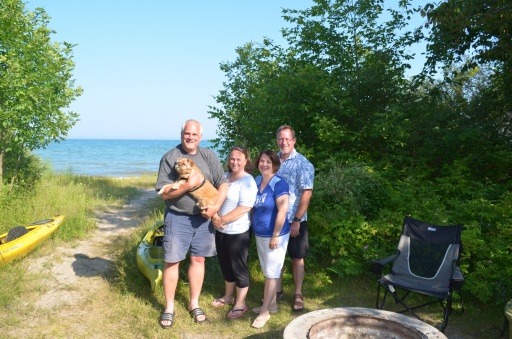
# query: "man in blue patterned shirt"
{"points": [[299, 173]]}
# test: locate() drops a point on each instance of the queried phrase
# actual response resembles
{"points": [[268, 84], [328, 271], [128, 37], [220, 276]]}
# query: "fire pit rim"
{"points": [[300, 326]]}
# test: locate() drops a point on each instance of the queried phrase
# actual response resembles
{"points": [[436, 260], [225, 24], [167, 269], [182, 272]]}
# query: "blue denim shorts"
{"points": [[185, 232]]}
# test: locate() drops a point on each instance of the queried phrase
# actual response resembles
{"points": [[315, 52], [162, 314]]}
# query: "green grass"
{"points": [[132, 310], [75, 196]]}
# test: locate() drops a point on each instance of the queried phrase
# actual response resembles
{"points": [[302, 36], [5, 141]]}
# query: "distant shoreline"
{"points": [[209, 140], [108, 157]]}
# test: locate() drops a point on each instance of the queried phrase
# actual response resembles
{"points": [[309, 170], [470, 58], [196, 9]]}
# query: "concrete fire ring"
{"points": [[358, 322]]}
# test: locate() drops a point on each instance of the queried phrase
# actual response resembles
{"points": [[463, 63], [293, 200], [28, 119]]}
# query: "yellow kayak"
{"points": [[150, 254], [21, 240]]}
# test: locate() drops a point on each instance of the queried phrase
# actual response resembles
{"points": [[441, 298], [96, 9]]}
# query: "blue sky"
{"points": [[146, 67]]}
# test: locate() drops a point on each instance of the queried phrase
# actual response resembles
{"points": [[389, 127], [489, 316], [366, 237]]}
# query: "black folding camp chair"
{"points": [[427, 263]]}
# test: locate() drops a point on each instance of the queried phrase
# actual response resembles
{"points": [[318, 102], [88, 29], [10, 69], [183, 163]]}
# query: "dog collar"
{"points": [[198, 187]]}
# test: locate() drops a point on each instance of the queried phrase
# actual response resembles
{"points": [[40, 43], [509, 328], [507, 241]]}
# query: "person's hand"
{"points": [[194, 179], [217, 223], [294, 229], [273, 243], [165, 189], [208, 211]]}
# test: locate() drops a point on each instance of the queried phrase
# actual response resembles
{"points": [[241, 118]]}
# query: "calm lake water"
{"points": [[112, 158]]}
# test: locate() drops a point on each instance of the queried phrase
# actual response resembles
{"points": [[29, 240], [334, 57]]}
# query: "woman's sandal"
{"points": [[166, 317], [259, 322], [219, 302], [237, 312], [298, 305], [197, 312], [271, 310]]}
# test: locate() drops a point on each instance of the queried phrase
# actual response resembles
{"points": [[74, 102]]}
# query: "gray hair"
{"points": [[192, 121], [283, 127]]}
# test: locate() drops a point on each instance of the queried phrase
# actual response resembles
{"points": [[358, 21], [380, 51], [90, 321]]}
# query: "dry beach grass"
{"points": [[91, 288]]}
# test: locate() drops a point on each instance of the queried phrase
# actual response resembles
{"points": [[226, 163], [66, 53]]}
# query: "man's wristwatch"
{"points": [[296, 219]]}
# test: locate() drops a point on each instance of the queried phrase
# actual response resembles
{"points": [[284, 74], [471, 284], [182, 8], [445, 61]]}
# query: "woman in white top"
{"points": [[232, 236]]}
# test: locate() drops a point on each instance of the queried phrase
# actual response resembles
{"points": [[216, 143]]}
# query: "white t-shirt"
{"points": [[241, 193]]}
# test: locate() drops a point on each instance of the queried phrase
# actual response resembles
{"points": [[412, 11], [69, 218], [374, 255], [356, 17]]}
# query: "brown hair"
{"points": [[249, 167], [276, 163], [282, 127]]}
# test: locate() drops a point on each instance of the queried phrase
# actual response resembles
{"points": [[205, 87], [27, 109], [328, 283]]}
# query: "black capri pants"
{"points": [[232, 253]]}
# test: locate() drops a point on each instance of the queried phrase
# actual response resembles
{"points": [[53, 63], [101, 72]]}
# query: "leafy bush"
{"points": [[346, 195], [357, 216], [22, 168], [353, 185]]}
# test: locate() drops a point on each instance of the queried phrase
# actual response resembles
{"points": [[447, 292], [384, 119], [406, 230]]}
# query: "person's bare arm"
{"points": [[194, 179], [301, 210], [282, 209], [237, 213], [209, 211]]}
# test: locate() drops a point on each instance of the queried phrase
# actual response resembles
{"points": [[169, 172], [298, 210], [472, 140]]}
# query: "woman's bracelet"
{"points": [[275, 235]]}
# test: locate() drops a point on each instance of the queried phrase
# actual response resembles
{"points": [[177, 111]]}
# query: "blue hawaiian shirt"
{"points": [[299, 173]]}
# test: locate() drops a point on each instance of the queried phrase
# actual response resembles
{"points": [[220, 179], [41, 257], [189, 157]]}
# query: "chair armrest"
{"points": [[457, 278], [377, 265]]}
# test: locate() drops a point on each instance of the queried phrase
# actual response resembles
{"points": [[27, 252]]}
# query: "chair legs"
{"points": [[399, 300], [447, 311], [446, 304]]}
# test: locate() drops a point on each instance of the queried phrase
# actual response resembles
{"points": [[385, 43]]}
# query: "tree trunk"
{"points": [[13, 179]]}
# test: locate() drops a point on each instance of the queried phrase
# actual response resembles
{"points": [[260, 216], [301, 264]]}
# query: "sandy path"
{"points": [[77, 277]]}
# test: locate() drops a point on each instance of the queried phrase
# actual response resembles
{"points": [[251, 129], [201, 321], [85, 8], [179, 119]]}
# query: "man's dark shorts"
{"points": [[184, 232], [298, 247]]}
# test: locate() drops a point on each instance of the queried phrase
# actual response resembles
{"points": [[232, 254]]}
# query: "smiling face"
{"points": [[265, 165], [237, 162], [286, 142], [191, 136]]}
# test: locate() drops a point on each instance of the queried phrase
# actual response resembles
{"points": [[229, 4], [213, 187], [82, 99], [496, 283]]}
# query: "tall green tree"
{"points": [[336, 83], [471, 38], [473, 33], [481, 28], [36, 83], [268, 87]]}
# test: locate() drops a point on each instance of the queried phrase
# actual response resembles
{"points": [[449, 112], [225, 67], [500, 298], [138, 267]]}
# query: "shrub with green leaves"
{"points": [[356, 216], [347, 194], [21, 168]]}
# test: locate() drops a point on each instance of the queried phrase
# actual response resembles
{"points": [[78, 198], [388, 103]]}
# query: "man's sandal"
{"points": [[166, 317], [196, 312], [298, 305]]}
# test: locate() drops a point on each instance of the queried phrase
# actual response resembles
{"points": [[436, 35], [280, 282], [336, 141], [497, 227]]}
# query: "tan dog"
{"points": [[205, 193]]}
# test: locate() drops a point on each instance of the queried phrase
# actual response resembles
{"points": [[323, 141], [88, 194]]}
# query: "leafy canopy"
{"points": [[36, 83]]}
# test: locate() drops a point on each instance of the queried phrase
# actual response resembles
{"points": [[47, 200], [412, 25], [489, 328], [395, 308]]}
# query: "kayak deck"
{"points": [[24, 244], [150, 254]]}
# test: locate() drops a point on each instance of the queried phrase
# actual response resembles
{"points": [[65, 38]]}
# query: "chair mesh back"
{"points": [[427, 254], [426, 259]]}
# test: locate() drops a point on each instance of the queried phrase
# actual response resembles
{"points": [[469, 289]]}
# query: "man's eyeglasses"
{"points": [[285, 140]]}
